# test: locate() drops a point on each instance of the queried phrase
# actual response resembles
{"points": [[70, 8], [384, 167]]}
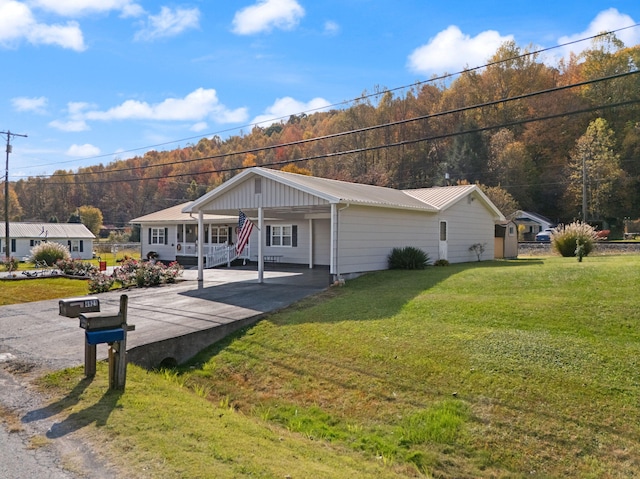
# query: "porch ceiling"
{"points": [[276, 212]]}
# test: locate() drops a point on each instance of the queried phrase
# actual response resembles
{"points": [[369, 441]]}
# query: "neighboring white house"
{"points": [[348, 227], [530, 224], [24, 236]]}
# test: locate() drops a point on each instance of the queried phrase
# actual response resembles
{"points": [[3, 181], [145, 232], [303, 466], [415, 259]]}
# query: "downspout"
{"points": [[338, 239], [200, 246]]}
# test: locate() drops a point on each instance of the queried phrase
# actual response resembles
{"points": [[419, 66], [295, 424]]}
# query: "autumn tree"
{"points": [[91, 217], [15, 210], [594, 171], [501, 198]]}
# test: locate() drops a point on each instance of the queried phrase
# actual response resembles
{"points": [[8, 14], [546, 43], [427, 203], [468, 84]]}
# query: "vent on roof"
{"points": [[258, 186]]}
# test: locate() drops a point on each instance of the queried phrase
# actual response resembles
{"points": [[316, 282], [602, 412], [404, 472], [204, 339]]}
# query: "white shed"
{"points": [[347, 227]]}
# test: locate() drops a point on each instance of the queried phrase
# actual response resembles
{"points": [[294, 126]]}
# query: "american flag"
{"points": [[244, 231]]}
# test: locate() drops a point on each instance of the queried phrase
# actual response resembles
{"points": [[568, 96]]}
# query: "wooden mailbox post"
{"points": [[102, 328]]}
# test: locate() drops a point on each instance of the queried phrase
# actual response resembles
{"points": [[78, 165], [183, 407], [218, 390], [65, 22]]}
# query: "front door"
{"points": [[442, 244]]}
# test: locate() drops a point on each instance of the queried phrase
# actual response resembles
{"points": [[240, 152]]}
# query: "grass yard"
{"points": [[524, 368], [28, 290]]}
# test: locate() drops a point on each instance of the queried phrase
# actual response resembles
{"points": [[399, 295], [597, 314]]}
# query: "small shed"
{"points": [[506, 240]]}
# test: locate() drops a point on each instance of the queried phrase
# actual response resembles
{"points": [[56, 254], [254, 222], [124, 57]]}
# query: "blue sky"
{"points": [[91, 81]]}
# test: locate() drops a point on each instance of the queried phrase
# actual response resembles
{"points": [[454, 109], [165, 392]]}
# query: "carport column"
{"points": [[332, 248], [310, 243], [260, 243], [200, 245]]}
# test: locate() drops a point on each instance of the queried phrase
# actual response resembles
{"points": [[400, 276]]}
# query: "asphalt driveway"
{"points": [[34, 334]]}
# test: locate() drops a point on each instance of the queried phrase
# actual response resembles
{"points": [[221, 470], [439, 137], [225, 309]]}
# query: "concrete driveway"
{"points": [[172, 322]]}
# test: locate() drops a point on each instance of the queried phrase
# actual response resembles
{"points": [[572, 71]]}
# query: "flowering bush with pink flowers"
{"points": [[146, 273]]}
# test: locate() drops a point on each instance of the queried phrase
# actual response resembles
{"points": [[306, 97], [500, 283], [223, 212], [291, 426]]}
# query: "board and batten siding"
{"points": [[468, 222], [262, 192], [367, 235]]}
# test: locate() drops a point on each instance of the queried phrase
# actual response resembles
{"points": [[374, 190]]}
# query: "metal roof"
{"points": [[174, 214], [441, 196], [47, 230], [333, 191]]}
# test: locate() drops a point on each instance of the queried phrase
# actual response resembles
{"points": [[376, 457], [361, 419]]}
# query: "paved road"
{"points": [[34, 338]]}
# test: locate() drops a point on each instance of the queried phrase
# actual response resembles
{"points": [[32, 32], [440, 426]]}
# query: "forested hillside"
{"points": [[534, 128]]}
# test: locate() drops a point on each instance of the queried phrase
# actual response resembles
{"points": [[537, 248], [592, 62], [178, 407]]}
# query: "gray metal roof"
{"points": [[47, 230], [333, 191], [174, 214]]}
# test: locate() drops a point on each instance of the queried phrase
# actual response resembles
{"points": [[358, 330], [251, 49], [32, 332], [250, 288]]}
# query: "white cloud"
{"points": [[200, 105], [451, 50], [34, 105], [605, 21], [266, 15], [282, 108], [200, 126], [17, 23], [169, 23], [331, 28], [69, 125], [83, 151], [75, 8]]}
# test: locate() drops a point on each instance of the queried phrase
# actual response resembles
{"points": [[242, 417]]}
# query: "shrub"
{"points": [[74, 267], [9, 264], [564, 239], [441, 262], [50, 253], [478, 249], [100, 283], [407, 258], [144, 273]]}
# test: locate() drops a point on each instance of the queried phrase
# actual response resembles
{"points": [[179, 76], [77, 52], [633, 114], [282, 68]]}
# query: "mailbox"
{"points": [[73, 307], [104, 336], [102, 328], [95, 322]]}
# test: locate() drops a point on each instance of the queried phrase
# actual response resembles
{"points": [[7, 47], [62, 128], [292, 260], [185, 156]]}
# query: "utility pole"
{"points": [[7, 245]]}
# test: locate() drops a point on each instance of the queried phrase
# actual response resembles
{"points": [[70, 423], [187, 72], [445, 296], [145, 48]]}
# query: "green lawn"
{"points": [[525, 368]]}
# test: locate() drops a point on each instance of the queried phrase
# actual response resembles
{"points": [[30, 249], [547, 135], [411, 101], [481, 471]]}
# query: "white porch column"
{"points": [[332, 249], [200, 245], [310, 243], [260, 243]]}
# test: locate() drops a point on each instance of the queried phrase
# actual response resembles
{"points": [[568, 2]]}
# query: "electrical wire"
{"points": [[347, 102]]}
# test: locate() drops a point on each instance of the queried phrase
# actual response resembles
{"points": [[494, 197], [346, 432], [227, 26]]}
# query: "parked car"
{"points": [[544, 236]]}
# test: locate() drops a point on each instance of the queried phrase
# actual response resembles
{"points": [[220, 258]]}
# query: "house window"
{"points": [[512, 230], [157, 236], [443, 231], [281, 235], [219, 234], [75, 246]]}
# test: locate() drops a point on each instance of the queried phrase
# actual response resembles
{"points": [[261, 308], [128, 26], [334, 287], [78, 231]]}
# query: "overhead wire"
{"points": [[347, 102], [345, 133]]}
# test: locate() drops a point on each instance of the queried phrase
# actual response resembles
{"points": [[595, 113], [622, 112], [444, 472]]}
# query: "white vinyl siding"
{"points": [[367, 235], [469, 222]]}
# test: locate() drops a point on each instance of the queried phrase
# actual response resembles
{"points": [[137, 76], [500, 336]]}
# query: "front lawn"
{"points": [[524, 368]]}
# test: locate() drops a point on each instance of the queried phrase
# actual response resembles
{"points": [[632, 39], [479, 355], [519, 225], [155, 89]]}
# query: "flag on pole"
{"points": [[244, 231]]}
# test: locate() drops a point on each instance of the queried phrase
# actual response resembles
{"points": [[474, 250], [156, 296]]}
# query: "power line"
{"points": [[355, 131], [369, 148], [347, 102]]}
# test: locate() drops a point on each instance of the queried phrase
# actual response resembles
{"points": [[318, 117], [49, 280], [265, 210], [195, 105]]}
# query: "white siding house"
{"points": [[173, 235], [24, 236], [348, 227]]}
